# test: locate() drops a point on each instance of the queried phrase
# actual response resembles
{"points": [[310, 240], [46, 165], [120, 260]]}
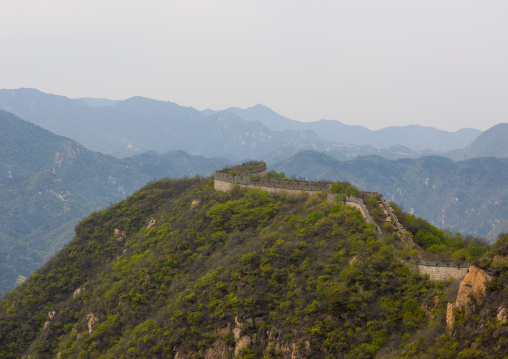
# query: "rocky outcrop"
{"points": [[92, 319], [473, 286], [502, 313], [429, 306], [232, 339], [151, 223], [119, 234], [472, 292], [77, 292], [51, 315]]}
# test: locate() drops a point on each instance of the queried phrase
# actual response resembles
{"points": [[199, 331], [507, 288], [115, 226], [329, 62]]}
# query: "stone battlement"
{"points": [[430, 263], [258, 168], [272, 183], [253, 175], [441, 270]]}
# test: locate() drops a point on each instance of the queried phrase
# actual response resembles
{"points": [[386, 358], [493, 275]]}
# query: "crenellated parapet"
{"points": [[254, 175], [437, 270], [258, 168], [431, 263], [270, 183]]}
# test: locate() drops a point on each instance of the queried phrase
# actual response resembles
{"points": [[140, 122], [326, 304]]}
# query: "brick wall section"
{"points": [[436, 270], [442, 270], [222, 179], [394, 219], [360, 205], [260, 169], [226, 186]]}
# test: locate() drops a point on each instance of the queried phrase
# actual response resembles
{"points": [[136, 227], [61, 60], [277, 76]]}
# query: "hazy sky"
{"points": [[374, 63]]}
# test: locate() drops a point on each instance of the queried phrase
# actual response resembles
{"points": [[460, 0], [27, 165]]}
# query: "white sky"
{"points": [[375, 63]]}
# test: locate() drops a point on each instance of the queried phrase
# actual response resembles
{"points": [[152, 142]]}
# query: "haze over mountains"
{"points": [[136, 125], [491, 143], [416, 137], [49, 182], [469, 196]]}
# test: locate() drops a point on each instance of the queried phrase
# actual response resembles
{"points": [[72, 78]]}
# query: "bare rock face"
{"points": [[472, 290], [502, 314], [474, 285], [232, 339], [241, 341], [151, 223], [51, 315], [92, 320], [119, 234], [78, 292], [450, 318], [195, 203]]}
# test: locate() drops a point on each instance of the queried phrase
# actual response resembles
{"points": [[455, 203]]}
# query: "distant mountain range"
{"points": [[136, 125], [48, 183], [468, 196], [491, 143], [416, 137]]}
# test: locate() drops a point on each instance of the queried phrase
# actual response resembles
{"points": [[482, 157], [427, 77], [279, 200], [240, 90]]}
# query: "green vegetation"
{"points": [[49, 183], [440, 244], [469, 197], [286, 272]]}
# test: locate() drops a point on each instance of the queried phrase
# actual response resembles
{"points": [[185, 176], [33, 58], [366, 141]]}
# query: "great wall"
{"points": [[254, 175]]}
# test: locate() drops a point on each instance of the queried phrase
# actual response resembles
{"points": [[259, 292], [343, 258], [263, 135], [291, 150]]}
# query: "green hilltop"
{"points": [[180, 270]]}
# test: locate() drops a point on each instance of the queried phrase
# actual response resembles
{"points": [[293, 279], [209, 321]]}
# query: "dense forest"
{"points": [[179, 270]]}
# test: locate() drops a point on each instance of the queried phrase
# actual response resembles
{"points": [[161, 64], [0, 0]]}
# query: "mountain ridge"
{"points": [[434, 187], [139, 124], [416, 137], [180, 270]]}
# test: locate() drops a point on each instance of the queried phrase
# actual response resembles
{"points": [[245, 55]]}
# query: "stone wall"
{"points": [[442, 270], [360, 205], [222, 182], [226, 186], [394, 220], [388, 209], [250, 168], [392, 215]]}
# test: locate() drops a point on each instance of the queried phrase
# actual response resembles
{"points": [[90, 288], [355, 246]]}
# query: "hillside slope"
{"points": [[178, 270], [47, 184], [468, 196]]}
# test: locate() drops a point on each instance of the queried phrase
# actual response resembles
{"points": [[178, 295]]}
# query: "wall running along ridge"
{"points": [[223, 182]]}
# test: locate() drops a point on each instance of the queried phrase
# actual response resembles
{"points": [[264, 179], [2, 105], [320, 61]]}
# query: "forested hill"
{"points": [[48, 183], [467, 196], [179, 270]]}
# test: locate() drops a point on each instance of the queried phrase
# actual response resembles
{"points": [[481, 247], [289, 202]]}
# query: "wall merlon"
{"points": [[223, 182], [431, 263]]}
